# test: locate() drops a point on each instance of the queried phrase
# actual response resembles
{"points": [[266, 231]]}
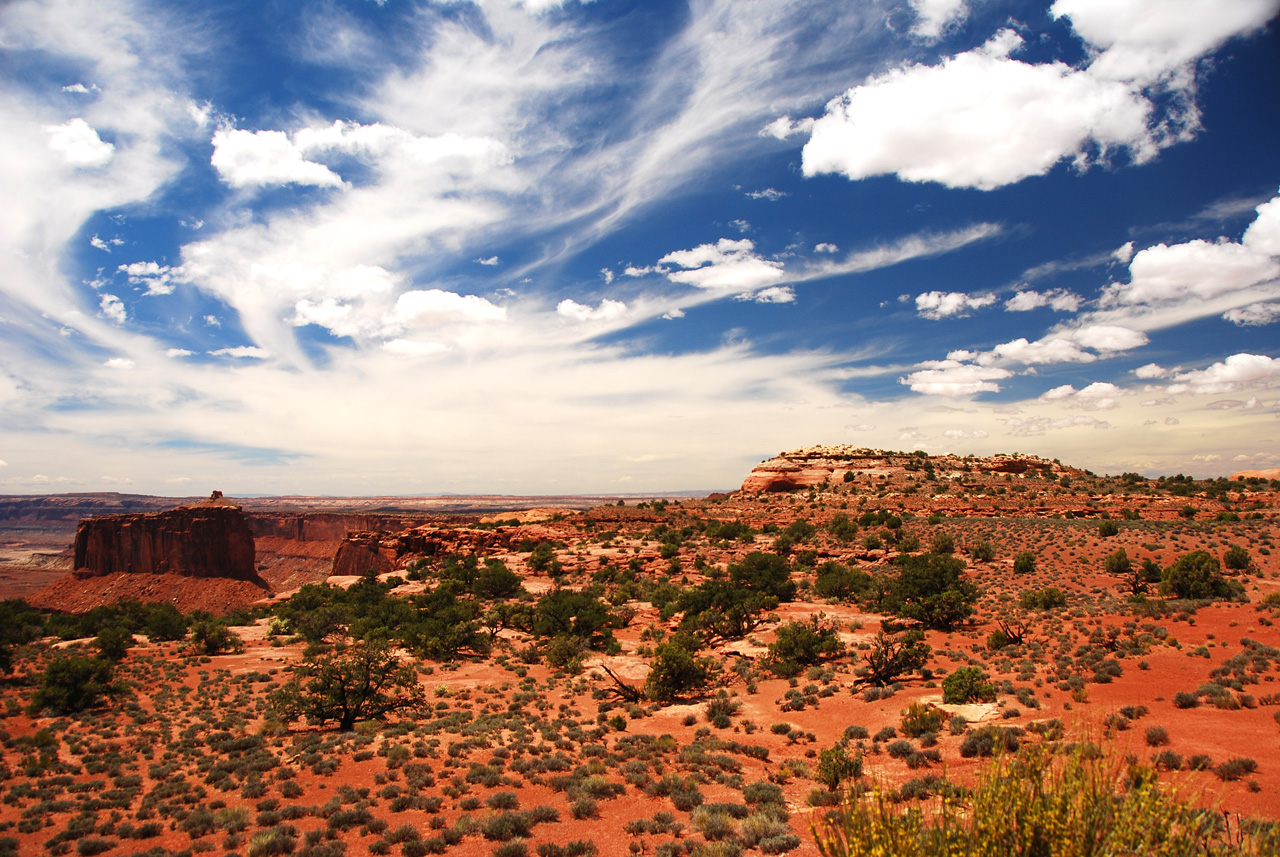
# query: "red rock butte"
{"points": [[210, 539]]}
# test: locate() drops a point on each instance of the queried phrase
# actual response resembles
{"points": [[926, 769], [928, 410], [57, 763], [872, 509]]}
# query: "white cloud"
{"points": [[784, 127], [113, 308], [118, 363], [1060, 300], [433, 307], [1032, 426], [1124, 253], [1196, 270], [242, 351], [79, 89], [1066, 391], [1144, 40], [159, 279], [1263, 235], [1098, 396], [539, 6], [1253, 315], [826, 247], [979, 119], [257, 158], [98, 244], [1239, 371], [1109, 337], [933, 16], [79, 144], [607, 274], [609, 310], [963, 434], [726, 266], [953, 378], [489, 261], [1150, 371], [177, 352], [413, 348], [1050, 349], [768, 193], [772, 295], [937, 305]]}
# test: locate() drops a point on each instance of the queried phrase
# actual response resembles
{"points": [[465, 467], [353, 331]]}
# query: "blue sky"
{"points": [[552, 246]]}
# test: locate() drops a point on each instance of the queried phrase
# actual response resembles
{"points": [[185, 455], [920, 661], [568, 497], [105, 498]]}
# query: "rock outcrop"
{"points": [[210, 539], [814, 466], [362, 553]]}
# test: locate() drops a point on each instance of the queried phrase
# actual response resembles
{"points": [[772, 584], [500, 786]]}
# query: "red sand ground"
{"points": [[203, 696]]}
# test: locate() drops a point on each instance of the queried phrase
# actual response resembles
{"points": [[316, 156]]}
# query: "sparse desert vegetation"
{"points": [[693, 676]]}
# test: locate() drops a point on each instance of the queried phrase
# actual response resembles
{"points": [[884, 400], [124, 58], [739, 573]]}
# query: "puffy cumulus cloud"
{"points": [[771, 295], [1239, 371], [1074, 346], [609, 310], [1150, 371], [1060, 300], [1144, 40], [726, 266], [1033, 426], [242, 352], [423, 308], [784, 127], [938, 305], [113, 308], [1263, 235], [979, 119], [1042, 351], [826, 247], [934, 16], [259, 158], [1109, 337], [1253, 315], [1196, 270], [119, 363], [1098, 396], [79, 144], [963, 434], [159, 279], [954, 378]]}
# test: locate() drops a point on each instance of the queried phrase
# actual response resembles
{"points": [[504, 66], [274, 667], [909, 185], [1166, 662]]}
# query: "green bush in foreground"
{"points": [[1065, 804]]}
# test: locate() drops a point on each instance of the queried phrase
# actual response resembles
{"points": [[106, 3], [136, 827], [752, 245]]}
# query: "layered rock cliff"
{"points": [[811, 467], [362, 553], [208, 539]]}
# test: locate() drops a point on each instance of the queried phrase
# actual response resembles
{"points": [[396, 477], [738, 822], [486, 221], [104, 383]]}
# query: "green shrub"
{"points": [[802, 644], [919, 719], [1066, 803], [967, 684], [1024, 563], [1108, 528], [836, 765], [1237, 558], [73, 683], [1197, 575], [983, 551], [1048, 598]]}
